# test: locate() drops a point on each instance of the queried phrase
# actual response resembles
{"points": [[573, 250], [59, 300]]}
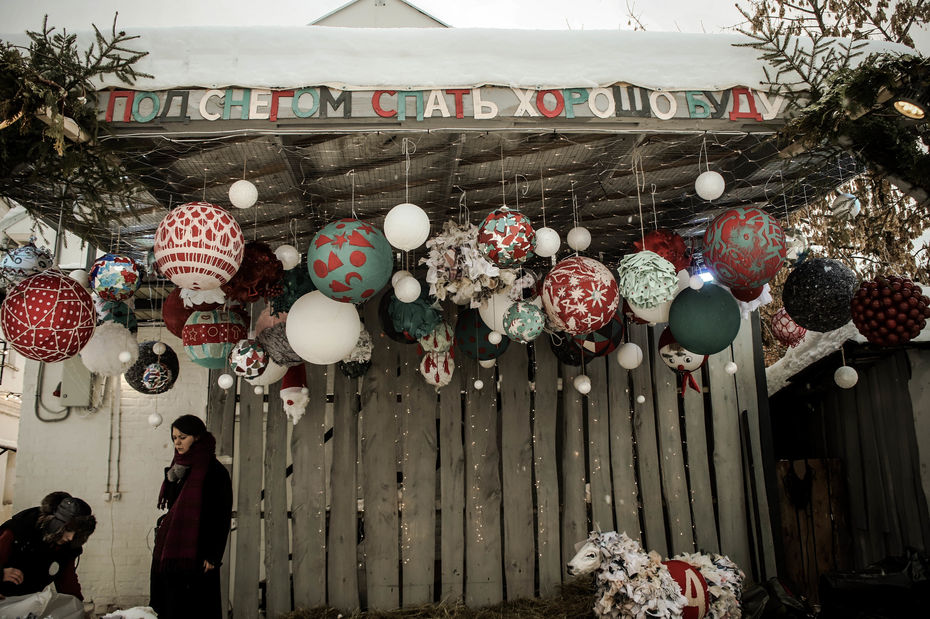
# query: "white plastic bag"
{"points": [[45, 604]]}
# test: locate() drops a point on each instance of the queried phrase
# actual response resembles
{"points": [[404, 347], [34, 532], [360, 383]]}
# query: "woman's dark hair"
{"points": [[190, 425], [60, 512]]}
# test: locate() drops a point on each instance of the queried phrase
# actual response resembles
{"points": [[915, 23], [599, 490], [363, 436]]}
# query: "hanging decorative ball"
{"points": [[349, 261], [676, 356], [487, 363], [19, 263], [408, 322], [437, 368], [650, 315], [817, 294], [114, 277], [846, 377], [124, 357], [565, 349], [155, 420], [159, 348], [80, 276], [506, 238], [272, 374], [890, 310], [730, 367], [208, 337], [579, 238], [406, 226], [258, 277], [259, 390], [294, 284], [747, 295], [103, 354], [582, 384], [175, 311], [407, 290], [288, 256], [668, 244], [785, 330], [646, 279], [225, 381], [248, 358], [440, 339], [580, 295], [684, 279], [704, 321], [399, 275], [118, 312], [845, 206], [630, 356], [524, 321], [336, 327], [695, 282], [479, 384], [277, 345], [471, 337], [48, 317], [744, 247], [640, 399], [796, 246], [153, 373], [709, 185], [495, 337], [243, 194], [198, 246], [603, 341], [357, 362], [547, 242]]}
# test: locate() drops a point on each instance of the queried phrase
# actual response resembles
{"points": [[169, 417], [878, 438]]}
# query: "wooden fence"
{"points": [[389, 494]]}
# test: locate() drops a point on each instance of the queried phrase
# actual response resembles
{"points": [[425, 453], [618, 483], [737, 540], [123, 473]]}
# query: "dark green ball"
{"points": [[704, 321]]}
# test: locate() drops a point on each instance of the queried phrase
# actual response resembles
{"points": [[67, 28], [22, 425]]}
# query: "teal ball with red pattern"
{"points": [[349, 260]]}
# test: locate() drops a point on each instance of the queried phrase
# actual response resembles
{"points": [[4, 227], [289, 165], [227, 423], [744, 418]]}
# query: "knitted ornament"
{"points": [[565, 349], [704, 321], [440, 339], [437, 368], [646, 279], [604, 340], [294, 393], [349, 260], [118, 312], [208, 337], [248, 359], [198, 246], [890, 310], [818, 292], [407, 322], [357, 362], [683, 361], [506, 237], [48, 317], [524, 321], [101, 354], [580, 295], [471, 337], [152, 374], [744, 247], [259, 275], [175, 312], [294, 284], [274, 341], [19, 263], [114, 277], [785, 330], [667, 244]]}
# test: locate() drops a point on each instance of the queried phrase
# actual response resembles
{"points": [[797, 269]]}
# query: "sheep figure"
{"points": [[724, 583]]}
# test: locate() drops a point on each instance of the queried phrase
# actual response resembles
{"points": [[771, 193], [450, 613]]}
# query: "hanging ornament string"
{"points": [[640, 180], [351, 175], [407, 147], [542, 191], [58, 240], [292, 225], [703, 154], [463, 213], [525, 188], [203, 196], [503, 180], [575, 220], [655, 215]]}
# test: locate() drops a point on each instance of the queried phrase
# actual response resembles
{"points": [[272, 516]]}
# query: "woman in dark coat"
{"points": [[191, 537]]}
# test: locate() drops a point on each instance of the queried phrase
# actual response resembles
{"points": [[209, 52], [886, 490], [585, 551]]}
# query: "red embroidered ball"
{"points": [[786, 330]]}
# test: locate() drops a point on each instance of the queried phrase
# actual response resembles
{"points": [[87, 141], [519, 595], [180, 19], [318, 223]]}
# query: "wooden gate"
{"points": [[389, 494]]}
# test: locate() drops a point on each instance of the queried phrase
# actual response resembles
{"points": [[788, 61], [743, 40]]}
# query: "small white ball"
{"points": [[159, 348], [730, 367], [225, 381], [155, 420], [579, 238], [125, 357], [81, 277], [709, 185], [684, 279], [696, 282], [547, 242], [846, 377], [582, 384], [640, 399], [487, 363], [399, 275], [495, 337], [479, 384], [258, 390], [630, 356], [407, 290], [288, 255], [243, 194]]}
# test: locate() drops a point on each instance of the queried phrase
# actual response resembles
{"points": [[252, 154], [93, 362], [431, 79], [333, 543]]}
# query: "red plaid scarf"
{"points": [[176, 540]]}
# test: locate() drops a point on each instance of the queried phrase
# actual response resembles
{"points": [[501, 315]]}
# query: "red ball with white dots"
{"points": [[890, 310]]}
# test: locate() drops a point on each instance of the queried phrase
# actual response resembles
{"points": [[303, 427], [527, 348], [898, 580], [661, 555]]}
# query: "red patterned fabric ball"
{"points": [[209, 337], [175, 313], [786, 330], [580, 295], [198, 246], [693, 586], [506, 238], [890, 310], [745, 247], [48, 317], [667, 244]]}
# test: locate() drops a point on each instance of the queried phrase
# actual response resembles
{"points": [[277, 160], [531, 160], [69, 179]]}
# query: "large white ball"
{"points": [[335, 328], [288, 255], [579, 238], [547, 242], [406, 226], [846, 377], [243, 194], [492, 311], [407, 289], [630, 356], [709, 185]]}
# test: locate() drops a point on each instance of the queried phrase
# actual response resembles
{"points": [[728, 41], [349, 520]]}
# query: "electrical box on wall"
{"points": [[75, 383]]}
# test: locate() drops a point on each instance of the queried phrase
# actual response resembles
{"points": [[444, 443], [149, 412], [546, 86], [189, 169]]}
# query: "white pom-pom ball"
{"points": [[125, 357], [225, 381], [487, 363], [547, 242], [243, 194], [846, 377], [730, 367], [407, 290], [406, 226], [159, 348], [288, 255], [479, 384], [399, 275], [495, 337], [640, 399], [578, 238], [709, 185], [336, 327], [103, 353], [696, 282], [258, 390], [630, 356], [81, 277], [684, 279], [582, 384], [155, 420]]}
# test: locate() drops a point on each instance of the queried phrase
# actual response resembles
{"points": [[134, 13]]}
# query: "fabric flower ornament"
{"points": [[646, 279]]}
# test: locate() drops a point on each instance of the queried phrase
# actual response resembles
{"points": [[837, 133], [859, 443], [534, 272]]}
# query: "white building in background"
{"points": [[379, 14]]}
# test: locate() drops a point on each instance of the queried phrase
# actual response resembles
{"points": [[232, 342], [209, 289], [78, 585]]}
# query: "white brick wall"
{"points": [[71, 455]]}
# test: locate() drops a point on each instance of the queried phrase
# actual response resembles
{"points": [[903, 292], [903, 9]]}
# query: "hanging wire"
{"points": [[407, 147], [525, 189], [703, 152], [351, 175], [463, 207], [575, 220], [655, 215], [639, 178], [503, 179], [542, 185]]}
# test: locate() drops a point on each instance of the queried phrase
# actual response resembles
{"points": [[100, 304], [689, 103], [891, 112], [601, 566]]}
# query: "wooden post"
{"points": [[545, 429], [277, 566], [602, 512], [452, 488], [626, 491], [702, 498], [574, 508], [343, 525], [248, 527]]}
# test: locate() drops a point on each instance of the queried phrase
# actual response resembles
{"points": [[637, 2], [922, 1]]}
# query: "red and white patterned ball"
{"points": [[506, 238], [198, 246], [580, 295], [786, 330], [48, 317]]}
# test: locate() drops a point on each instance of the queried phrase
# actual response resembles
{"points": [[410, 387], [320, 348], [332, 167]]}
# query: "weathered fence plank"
{"points": [[574, 508], [452, 489], [702, 498], [342, 584], [602, 513], [545, 430], [248, 517], [221, 423], [625, 486], [277, 565], [517, 474]]}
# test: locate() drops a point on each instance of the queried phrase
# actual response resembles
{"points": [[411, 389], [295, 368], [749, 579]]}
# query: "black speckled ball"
{"points": [[146, 357], [817, 294], [353, 369]]}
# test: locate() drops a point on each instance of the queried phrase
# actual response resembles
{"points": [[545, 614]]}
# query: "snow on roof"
{"points": [[422, 58]]}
